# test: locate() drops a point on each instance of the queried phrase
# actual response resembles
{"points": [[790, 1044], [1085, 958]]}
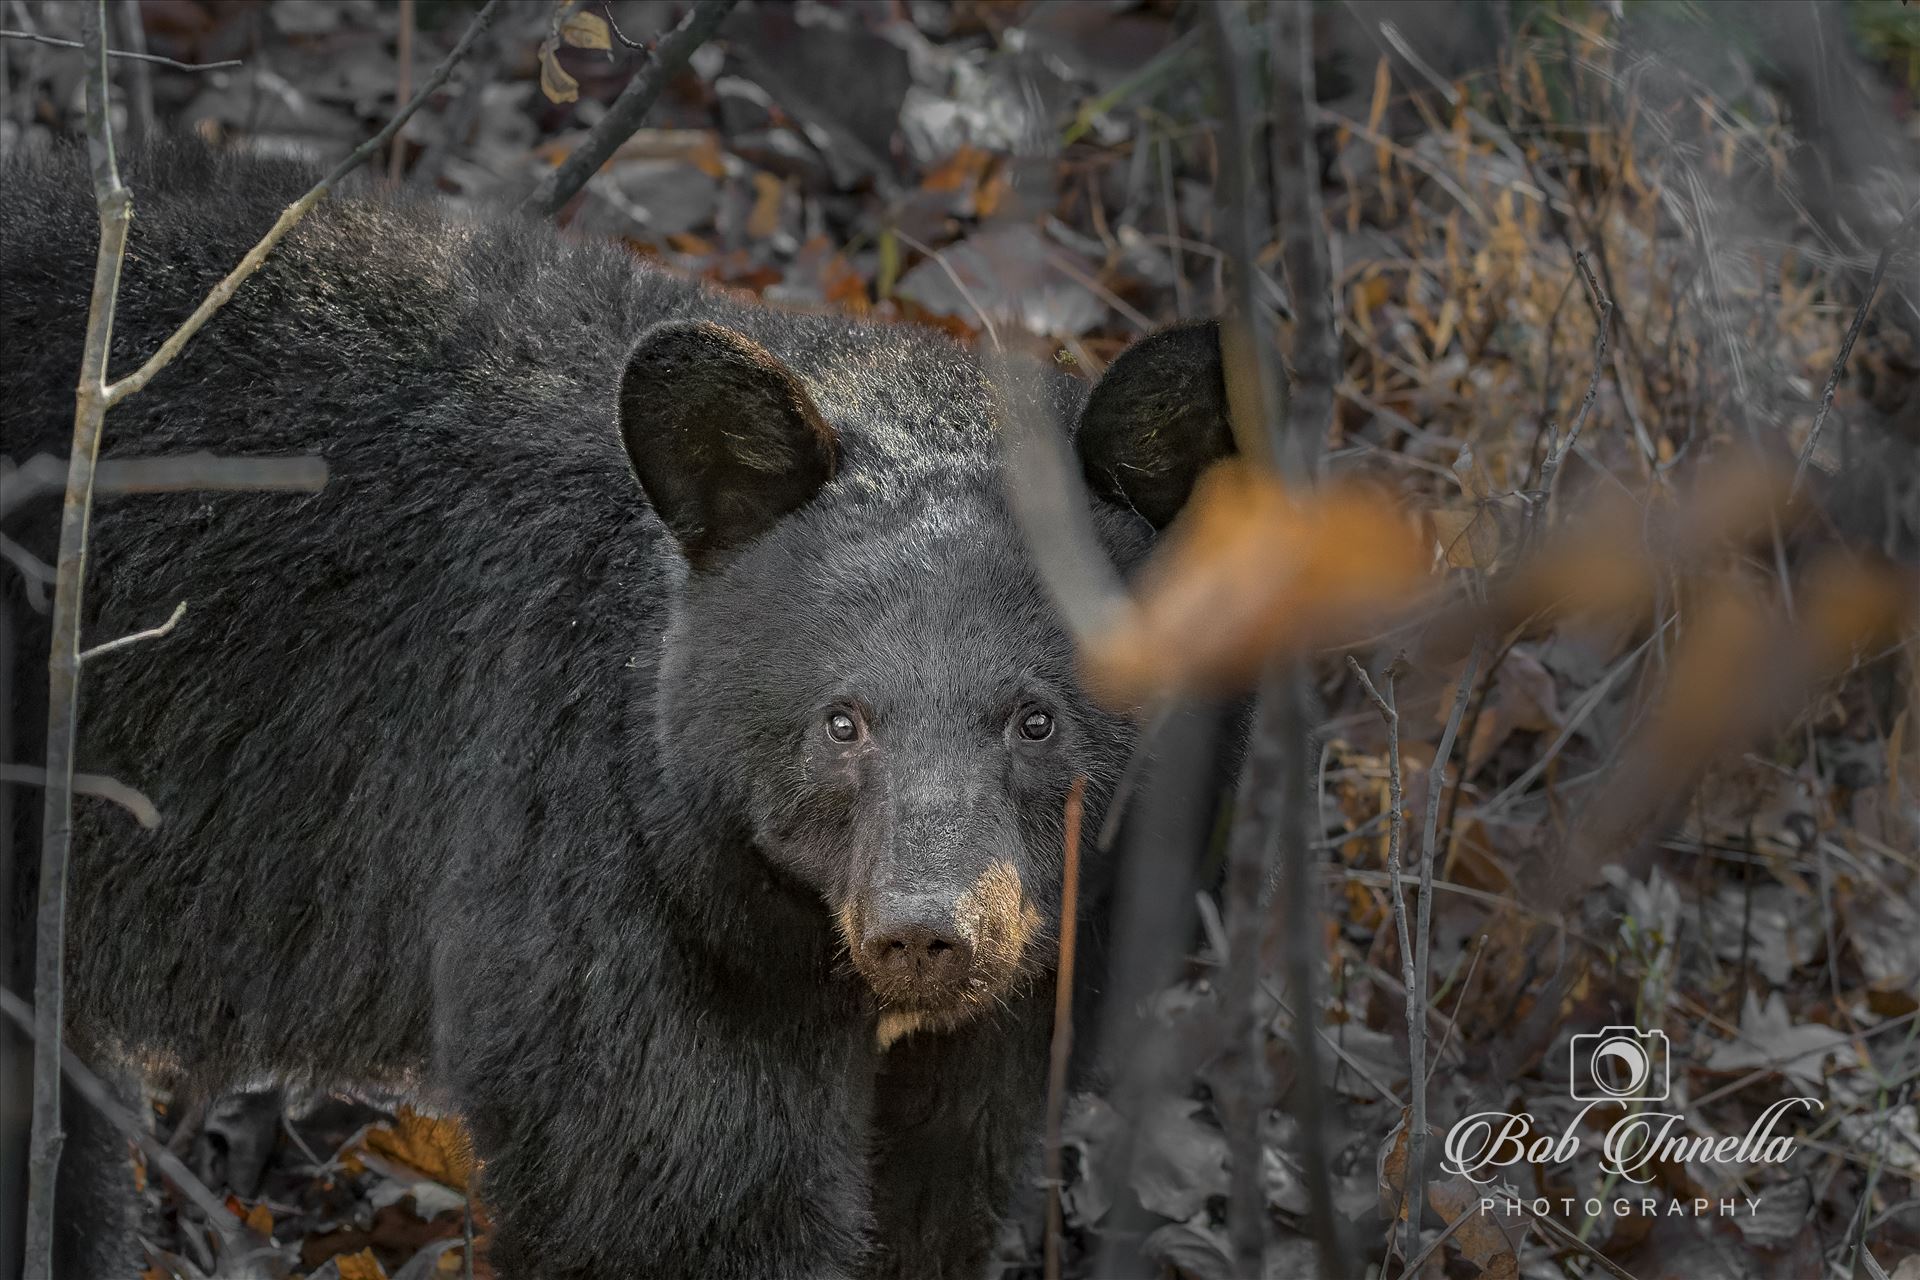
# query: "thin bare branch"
{"points": [[174, 473], [1273, 814], [37, 38], [1416, 995], [190, 472], [1303, 244], [1256, 391], [63, 660], [669, 58], [1556, 453], [1050, 501], [141, 121], [1567, 1239], [1846, 344], [1422, 943], [1062, 1051], [97, 1094], [151, 633], [90, 784], [986, 320]]}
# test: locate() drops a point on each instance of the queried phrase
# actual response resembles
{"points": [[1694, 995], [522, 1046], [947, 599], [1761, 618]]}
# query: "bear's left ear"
{"points": [[722, 436], [1156, 420]]}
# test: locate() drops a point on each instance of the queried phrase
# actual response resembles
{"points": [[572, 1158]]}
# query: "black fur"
{"points": [[473, 784]]}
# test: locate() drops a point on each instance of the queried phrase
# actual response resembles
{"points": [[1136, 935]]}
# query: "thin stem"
{"points": [[1416, 1012], [151, 633], [669, 58], [63, 660], [1846, 345], [1062, 1051], [58, 43], [100, 1096], [1422, 939]]}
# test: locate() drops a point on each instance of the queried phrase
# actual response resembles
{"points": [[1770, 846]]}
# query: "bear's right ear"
{"points": [[722, 436], [1156, 420]]}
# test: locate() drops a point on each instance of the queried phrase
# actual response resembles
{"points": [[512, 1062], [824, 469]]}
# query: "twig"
{"points": [[669, 58], [1272, 808], [1257, 827], [1303, 245], [96, 1092], [1062, 1023], [63, 659], [1567, 1239], [1256, 398], [1340, 1051], [1453, 1019], [986, 320], [618, 34], [290, 217], [37, 38], [140, 117], [174, 473], [1603, 320], [90, 784], [1846, 346], [403, 87], [1420, 1260], [93, 397], [31, 567], [1050, 502], [151, 633], [1423, 938], [207, 472], [1416, 1012], [1256, 393]]}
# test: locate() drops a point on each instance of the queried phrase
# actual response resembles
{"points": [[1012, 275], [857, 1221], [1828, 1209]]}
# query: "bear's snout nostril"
{"points": [[917, 952]]}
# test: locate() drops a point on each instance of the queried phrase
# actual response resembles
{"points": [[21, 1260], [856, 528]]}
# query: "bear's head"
{"points": [[863, 666]]}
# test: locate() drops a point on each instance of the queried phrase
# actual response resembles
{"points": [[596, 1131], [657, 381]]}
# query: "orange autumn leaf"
{"points": [[1250, 572], [439, 1147], [1720, 660], [958, 171], [259, 1220], [1849, 605], [360, 1266]]}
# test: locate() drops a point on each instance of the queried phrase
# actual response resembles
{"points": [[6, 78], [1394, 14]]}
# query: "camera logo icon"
{"points": [[1619, 1064]]}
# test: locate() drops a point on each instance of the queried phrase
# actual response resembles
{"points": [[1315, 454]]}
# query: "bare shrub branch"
{"points": [[155, 58], [63, 660], [90, 784], [1846, 344], [1062, 1051], [100, 1097], [624, 117], [93, 397], [151, 633], [1416, 995]]}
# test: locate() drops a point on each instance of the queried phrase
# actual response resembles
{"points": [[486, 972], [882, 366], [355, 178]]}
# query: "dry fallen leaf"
{"points": [[438, 1147], [360, 1266], [1481, 1239]]}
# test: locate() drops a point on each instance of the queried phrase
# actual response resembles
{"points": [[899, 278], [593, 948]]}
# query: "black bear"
{"points": [[698, 840]]}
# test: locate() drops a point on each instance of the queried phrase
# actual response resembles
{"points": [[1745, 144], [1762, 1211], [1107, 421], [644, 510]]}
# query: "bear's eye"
{"points": [[843, 726], [1036, 726]]}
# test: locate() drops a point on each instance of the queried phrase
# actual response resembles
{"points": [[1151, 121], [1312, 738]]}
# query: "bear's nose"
{"points": [[920, 951]]}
